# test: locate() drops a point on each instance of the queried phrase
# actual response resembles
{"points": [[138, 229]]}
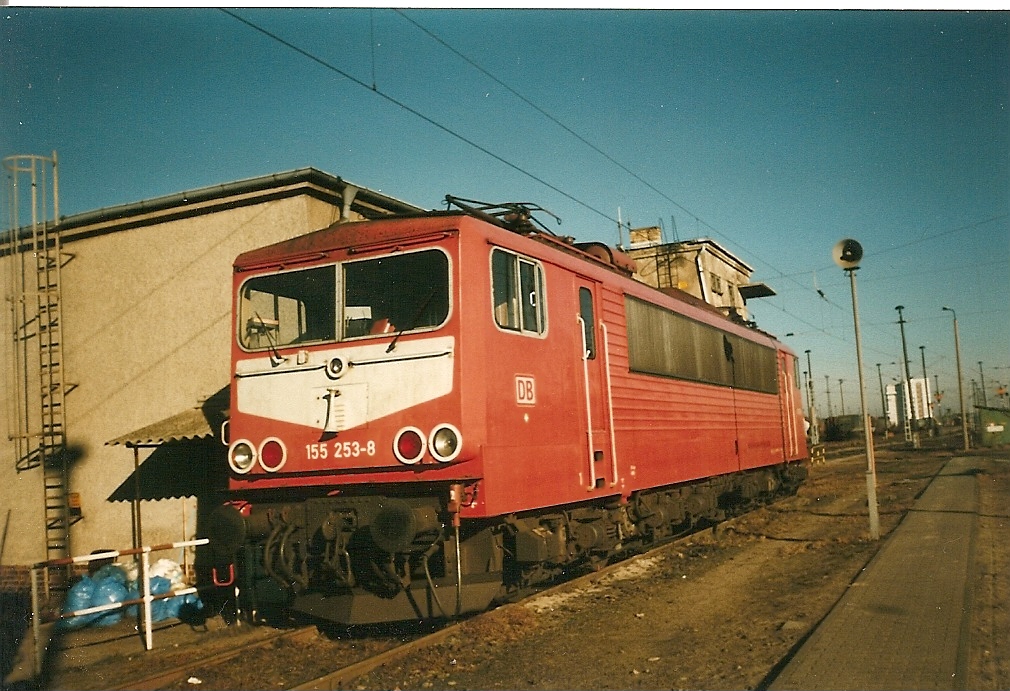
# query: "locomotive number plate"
{"points": [[346, 449]]}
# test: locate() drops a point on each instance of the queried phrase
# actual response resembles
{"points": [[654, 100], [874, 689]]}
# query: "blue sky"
{"points": [[774, 133]]}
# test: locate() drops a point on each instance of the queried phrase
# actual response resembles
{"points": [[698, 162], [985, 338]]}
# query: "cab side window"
{"points": [[517, 291], [588, 323]]}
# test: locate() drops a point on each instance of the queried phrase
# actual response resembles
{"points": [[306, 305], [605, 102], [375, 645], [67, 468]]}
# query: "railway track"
{"points": [[343, 677], [352, 657], [168, 677]]}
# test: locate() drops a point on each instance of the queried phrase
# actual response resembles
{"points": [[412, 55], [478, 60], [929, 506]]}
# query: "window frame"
{"points": [[676, 346], [515, 290], [339, 293], [342, 336], [242, 317], [587, 304]]}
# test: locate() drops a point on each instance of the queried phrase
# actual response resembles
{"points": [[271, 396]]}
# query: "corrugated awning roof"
{"points": [[201, 422]]}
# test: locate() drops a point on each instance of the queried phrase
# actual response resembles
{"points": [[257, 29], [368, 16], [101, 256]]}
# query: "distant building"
{"points": [[902, 405], [702, 268], [145, 292]]}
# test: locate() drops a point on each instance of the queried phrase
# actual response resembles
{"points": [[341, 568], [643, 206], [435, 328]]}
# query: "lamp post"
{"points": [[912, 432], [960, 383], [847, 254]]}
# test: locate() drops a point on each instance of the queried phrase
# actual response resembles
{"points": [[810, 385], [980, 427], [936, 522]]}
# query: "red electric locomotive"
{"points": [[435, 412]]}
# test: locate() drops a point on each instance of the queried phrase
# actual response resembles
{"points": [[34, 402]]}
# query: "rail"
{"points": [[146, 598]]}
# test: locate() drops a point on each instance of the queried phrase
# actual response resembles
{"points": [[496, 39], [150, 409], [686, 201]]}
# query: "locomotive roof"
{"points": [[392, 230], [344, 235], [348, 234]]}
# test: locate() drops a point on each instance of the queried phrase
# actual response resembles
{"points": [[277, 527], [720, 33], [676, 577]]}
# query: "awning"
{"points": [[750, 291], [200, 422], [188, 458]]}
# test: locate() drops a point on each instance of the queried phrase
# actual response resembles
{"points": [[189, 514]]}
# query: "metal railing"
{"points": [[144, 580]]}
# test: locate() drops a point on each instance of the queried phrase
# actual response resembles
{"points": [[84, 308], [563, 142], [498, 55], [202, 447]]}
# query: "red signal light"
{"points": [[272, 455], [409, 445]]}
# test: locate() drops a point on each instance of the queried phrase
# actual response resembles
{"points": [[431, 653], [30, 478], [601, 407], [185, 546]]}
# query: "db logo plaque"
{"points": [[526, 391]]}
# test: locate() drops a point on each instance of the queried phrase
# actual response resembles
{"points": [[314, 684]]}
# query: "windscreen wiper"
{"points": [[275, 356], [409, 326]]}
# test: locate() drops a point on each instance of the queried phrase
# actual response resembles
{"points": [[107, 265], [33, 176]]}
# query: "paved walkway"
{"points": [[903, 622]]}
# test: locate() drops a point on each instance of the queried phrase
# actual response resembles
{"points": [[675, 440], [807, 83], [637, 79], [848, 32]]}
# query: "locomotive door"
{"points": [[788, 406], [600, 469]]}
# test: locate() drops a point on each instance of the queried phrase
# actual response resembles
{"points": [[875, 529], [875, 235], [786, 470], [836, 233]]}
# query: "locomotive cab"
{"points": [[351, 452]]}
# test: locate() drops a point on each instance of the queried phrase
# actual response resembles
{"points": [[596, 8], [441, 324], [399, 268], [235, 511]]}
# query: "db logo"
{"points": [[526, 392]]}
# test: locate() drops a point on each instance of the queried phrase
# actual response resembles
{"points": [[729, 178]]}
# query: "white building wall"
{"points": [[147, 332]]}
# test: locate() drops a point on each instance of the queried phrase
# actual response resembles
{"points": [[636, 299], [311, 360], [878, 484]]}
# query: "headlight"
{"points": [[445, 443], [336, 368], [408, 445], [273, 454], [241, 456]]}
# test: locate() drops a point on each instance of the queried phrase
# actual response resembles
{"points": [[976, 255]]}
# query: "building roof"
{"points": [[696, 245], [311, 181]]}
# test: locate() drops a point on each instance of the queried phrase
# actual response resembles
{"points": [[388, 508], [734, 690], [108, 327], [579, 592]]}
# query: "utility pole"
{"points": [[960, 383], [981, 376], [815, 435], [912, 432], [841, 395], [883, 399], [827, 389], [937, 394], [925, 385]]}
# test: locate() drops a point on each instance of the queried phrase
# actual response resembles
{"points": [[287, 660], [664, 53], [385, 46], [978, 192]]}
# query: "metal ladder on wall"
{"points": [[664, 270], [40, 435]]}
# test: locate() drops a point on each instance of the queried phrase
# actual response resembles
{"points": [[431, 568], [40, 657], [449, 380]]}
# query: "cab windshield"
{"points": [[360, 299]]}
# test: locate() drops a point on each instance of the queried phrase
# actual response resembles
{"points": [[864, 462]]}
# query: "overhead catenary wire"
{"points": [[483, 149], [940, 234], [543, 112], [374, 89], [597, 149], [791, 277], [414, 111]]}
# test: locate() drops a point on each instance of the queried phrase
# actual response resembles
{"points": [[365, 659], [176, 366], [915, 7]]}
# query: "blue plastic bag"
{"points": [[132, 594], [78, 598], [107, 591], [113, 571], [159, 608]]}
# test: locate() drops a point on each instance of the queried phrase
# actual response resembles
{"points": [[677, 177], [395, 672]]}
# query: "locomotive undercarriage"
{"points": [[369, 559]]}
